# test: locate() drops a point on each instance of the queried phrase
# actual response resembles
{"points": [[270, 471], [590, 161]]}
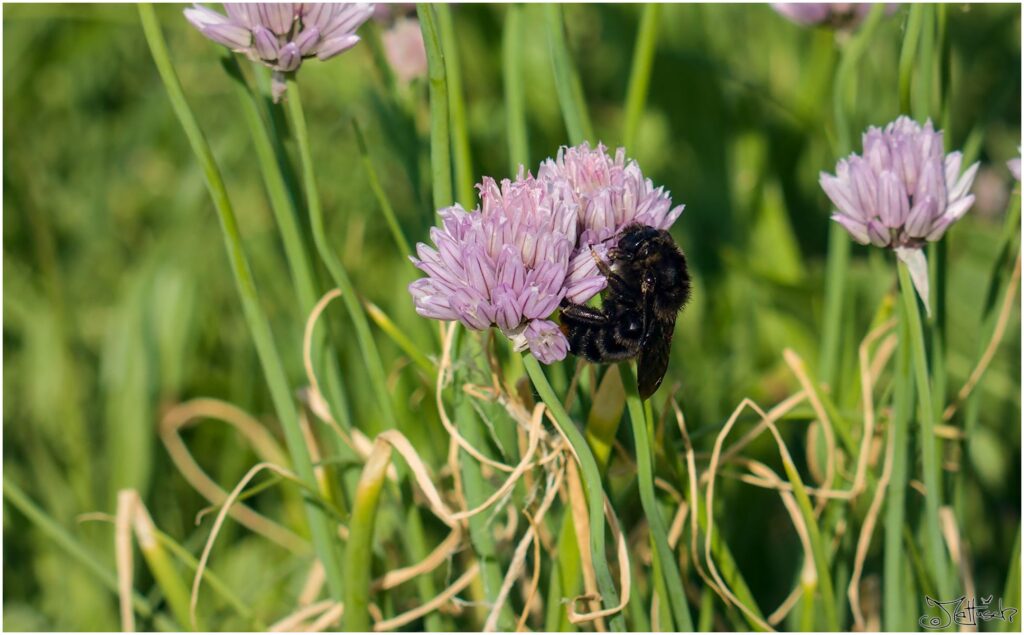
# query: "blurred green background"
{"points": [[118, 301]]}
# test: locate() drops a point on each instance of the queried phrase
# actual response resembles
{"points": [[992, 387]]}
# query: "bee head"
{"points": [[635, 242]]}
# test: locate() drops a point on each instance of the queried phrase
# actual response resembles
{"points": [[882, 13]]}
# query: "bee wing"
{"points": [[654, 350]]}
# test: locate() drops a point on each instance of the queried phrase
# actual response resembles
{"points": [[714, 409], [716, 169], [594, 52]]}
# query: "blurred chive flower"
{"points": [[403, 46], [836, 15], [1014, 166], [902, 193], [610, 194], [282, 35], [533, 243]]}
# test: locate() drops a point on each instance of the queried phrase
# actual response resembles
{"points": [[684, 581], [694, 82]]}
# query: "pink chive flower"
{"points": [[282, 35], [902, 193], [403, 46], [505, 264], [837, 15], [610, 193], [1014, 166]]}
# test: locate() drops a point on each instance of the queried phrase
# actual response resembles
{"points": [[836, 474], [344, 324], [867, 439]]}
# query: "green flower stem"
{"points": [[934, 545], [567, 80], [457, 108], [280, 203], [359, 551], [838, 261], [911, 37], [382, 198], [640, 74], [320, 526], [641, 422], [60, 537], [440, 141], [591, 477], [1011, 589], [367, 346], [922, 102], [515, 96]]}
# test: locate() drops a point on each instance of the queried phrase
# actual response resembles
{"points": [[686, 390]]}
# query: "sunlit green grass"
{"points": [[119, 302]]}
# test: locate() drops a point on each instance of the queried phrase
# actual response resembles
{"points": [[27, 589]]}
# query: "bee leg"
{"points": [[584, 314], [615, 281]]}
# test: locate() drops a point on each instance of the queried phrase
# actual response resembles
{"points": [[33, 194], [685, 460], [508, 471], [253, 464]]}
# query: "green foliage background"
{"points": [[118, 301]]}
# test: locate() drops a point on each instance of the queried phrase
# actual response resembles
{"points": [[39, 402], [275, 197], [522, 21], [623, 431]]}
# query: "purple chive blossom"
{"points": [[403, 45], [837, 15], [1014, 166], [282, 35], [611, 193], [903, 192], [504, 265]]}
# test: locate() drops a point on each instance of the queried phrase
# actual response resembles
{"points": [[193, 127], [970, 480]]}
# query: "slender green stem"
{"points": [[515, 95], [457, 108], [911, 37], [640, 420], [934, 546], [364, 337], [640, 74], [591, 477], [382, 198], [567, 80], [280, 203], [838, 260], [440, 141], [922, 102], [259, 326], [14, 495], [1011, 589], [359, 551]]}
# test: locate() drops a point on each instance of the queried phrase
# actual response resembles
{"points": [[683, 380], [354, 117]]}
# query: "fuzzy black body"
{"points": [[648, 284]]}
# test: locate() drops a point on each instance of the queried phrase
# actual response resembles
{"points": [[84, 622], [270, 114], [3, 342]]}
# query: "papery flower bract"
{"points": [[903, 192], [505, 265], [838, 15], [611, 194], [282, 35], [403, 45]]}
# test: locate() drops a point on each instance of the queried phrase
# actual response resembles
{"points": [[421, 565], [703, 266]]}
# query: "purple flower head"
{"points": [[505, 264], [610, 193], [837, 15], [903, 192], [282, 35]]}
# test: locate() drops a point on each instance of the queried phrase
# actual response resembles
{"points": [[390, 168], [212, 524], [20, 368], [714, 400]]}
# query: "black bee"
{"points": [[648, 284]]}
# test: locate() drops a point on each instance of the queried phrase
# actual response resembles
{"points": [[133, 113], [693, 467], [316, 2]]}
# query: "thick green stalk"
{"points": [[567, 80], [259, 326], [591, 477], [640, 74], [515, 95], [440, 141], [934, 546], [359, 551], [838, 260], [922, 102], [364, 337], [457, 108], [641, 422]]}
